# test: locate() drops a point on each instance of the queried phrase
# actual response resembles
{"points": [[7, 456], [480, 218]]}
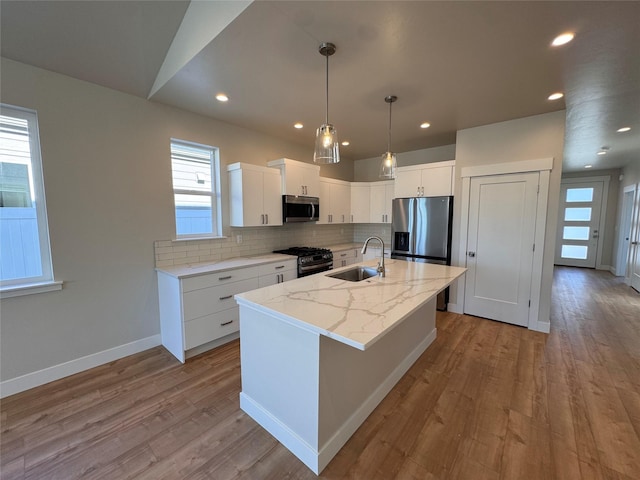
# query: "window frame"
{"points": [[33, 284], [214, 193]]}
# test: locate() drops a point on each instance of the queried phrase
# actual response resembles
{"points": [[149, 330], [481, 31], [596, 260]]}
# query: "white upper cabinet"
{"points": [[335, 201], [427, 180], [255, 198], [381, 198], [360, 202], [298, 178]]}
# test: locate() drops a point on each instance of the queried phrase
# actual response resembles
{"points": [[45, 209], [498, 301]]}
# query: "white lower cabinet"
{"points": [[342, 258], [273, 273], [200, 310]]}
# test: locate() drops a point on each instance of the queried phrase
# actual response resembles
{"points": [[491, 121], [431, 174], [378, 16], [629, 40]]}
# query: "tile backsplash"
{"points": [[259, 240]]}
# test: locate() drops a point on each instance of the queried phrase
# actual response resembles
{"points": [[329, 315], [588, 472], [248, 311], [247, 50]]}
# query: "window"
{"points": [[25, 253], [196, 189]]}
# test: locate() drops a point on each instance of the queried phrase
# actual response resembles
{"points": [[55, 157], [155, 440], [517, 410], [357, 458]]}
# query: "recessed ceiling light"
{"points": [[298, 125], [602, 152], [588, 166], [562, 39], [425, 125], [623, 129], [221, 97], [556, 96], [345, 143]]}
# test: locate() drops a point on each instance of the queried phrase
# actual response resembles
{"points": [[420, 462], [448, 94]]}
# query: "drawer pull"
{"points": [[226, 298], [226, 323], [343, 254], [225, 278], [279, 267]]}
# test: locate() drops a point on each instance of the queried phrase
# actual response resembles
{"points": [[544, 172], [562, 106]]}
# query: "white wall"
{"points": [[367, 170], [109, 196], [536, 137]]}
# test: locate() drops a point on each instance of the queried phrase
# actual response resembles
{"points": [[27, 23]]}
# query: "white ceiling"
{"points": [[454, 64]]}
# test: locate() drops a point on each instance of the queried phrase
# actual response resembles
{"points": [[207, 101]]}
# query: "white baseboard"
{"points": [[544, 327], [454, 308], [56, 372], [604, 267]]}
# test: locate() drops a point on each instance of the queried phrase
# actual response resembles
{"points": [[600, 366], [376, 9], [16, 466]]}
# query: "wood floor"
{"points": [[485, 401]]}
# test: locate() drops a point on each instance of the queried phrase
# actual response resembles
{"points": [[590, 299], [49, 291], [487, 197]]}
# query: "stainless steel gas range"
{"points": [[310, 259]]}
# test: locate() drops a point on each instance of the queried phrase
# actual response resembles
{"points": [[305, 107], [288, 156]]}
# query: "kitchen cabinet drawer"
{"points": [[210, 327], [278, 267], [204, 301], [274, 278], [342, 258], [215, 279]]}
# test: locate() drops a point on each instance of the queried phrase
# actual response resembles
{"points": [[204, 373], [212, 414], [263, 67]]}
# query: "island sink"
{"points": [[356, 274]]}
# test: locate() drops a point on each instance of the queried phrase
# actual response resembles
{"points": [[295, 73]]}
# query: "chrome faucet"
{"points": [[380, 268]]}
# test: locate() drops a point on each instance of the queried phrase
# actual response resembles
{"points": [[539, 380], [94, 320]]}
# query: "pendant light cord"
{"points": [[327, 96], [389, 137]]}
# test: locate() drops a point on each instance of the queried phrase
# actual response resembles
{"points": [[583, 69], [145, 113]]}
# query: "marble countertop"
{"points": [[354, 313], [190, 270]]}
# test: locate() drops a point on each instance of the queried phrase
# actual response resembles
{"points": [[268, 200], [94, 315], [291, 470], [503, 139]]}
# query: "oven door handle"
{"points": [[319, 267], [313, 211]]}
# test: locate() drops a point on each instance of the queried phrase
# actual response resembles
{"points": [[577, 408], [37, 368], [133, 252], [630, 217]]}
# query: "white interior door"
{"points": [[500, 244], [578, 224], [634, 252]]}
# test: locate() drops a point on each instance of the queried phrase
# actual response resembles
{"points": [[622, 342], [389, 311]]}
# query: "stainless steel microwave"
{"points": [[296, 208]]}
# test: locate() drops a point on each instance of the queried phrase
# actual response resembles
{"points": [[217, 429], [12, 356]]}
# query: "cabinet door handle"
{"points": [[343, 254], [343, 218], [351, 218], [279, 267], [262, 219], [226, 323], [226, 298], [266, 218], [225, 278]]}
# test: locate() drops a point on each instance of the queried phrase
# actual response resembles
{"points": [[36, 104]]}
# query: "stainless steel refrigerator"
{"points": [[421, 232]]}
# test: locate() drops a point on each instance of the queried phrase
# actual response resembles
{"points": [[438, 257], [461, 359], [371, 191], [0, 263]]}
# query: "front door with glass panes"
{"points": [[578, 224]]}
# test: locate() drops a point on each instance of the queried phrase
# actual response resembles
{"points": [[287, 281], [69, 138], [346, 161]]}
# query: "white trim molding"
{"points": [[56, 372], [537, 165]]}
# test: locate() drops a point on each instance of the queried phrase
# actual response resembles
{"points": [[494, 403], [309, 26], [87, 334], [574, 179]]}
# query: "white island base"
{"points": [[312, 392]]}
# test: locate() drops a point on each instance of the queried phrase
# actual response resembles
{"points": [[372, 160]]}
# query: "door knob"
{"points": [[471, 254]]}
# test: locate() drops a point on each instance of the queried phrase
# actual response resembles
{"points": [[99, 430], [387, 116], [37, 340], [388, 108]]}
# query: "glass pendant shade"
{"points": [[326, 150], [388, 166]]}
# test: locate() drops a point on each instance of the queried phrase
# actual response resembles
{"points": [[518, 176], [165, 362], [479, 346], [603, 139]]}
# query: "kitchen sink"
{"points": [[356, 274]]}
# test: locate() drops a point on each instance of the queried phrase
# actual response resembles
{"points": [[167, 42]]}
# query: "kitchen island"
{"points": [[318, 354]]}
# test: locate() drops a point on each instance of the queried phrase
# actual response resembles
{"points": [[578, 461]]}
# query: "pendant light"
{"points": [[326, 150], [388, 164]]}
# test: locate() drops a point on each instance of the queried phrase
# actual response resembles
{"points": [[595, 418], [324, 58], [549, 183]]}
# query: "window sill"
{"points": [[190, 239], [29, 289]]}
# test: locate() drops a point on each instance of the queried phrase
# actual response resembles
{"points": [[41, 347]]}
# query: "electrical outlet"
{"points": [[238, 238]]}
